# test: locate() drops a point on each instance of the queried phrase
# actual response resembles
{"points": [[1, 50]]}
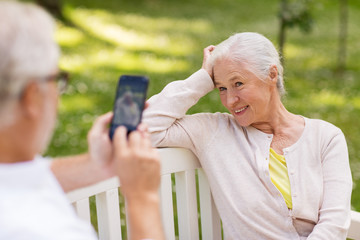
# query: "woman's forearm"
{"points": [[174, 101]]}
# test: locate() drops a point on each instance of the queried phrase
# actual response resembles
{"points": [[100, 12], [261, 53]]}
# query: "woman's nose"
{"points": [[232, 98]]}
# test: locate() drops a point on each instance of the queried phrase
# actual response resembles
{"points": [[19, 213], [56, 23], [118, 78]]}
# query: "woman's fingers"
{"points": [[206, 60]]}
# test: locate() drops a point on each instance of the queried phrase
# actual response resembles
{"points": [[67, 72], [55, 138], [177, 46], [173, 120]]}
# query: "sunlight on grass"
{"points": [[165, 24], [68, 37], [123, 61], [328, 98], [101, 24], [150, 63], [83, 102], [356, 102], [315, 61], [309, 58], [292, 51]]}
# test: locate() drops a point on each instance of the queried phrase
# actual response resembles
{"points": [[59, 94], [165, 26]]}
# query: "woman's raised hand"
{"points": [[206, 60]]}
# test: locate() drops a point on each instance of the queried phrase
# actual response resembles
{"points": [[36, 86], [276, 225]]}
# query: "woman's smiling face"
{"points": [[245, 95]]}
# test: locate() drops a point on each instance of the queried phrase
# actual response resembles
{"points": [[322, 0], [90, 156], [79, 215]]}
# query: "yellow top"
{"points": [[279, 176]]}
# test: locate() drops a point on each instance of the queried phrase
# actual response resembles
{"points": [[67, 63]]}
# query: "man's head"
{"points": [[28, 59]]}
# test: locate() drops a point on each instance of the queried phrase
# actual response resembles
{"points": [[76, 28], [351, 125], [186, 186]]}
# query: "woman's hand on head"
{"points": [[206, 60]]}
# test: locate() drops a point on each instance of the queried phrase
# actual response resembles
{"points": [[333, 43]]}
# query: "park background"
{"points": [[164, 39]]}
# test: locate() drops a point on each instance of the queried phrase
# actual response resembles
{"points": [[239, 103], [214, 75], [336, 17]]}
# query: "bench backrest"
{"points": [[182, 208]]}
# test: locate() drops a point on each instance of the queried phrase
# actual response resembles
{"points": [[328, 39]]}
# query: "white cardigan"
{"points": [[235, 160]]}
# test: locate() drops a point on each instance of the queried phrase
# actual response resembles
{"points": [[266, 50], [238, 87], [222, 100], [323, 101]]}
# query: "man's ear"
{"points": [[273, 74], [31, 100]]}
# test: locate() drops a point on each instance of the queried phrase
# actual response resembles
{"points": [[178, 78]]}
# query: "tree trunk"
{"points": [[282, 31], [343, 22], [53, 6]]}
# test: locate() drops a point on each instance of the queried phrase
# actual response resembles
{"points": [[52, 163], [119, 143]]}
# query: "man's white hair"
{"points": [[253, 49], [27, 51]]}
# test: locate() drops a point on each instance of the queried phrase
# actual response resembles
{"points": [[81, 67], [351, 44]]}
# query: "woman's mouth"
{"points": [[241, 110]]}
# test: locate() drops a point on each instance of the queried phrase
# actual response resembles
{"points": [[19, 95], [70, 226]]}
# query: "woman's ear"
{"points": [[273, 74]]}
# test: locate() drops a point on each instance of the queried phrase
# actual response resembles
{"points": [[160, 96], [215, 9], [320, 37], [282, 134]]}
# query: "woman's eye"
{"points": [[222, 89], [238, 84]]}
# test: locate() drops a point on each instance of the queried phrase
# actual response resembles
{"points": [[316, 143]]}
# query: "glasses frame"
{"points": [[62, 80]]}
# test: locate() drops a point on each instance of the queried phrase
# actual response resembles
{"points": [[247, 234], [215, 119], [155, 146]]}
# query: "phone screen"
{"points": [[129, 102]]}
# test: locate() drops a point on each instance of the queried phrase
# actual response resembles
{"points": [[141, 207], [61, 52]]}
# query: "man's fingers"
{"points": [[119, 139], [102, 122], [146, 141], [135, 140], [105, 118]]}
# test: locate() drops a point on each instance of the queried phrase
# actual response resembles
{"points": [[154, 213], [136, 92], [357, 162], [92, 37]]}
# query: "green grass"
{"points": [[164, 40]]}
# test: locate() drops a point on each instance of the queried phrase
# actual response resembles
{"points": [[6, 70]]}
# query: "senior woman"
{"points": [[273, 174]]}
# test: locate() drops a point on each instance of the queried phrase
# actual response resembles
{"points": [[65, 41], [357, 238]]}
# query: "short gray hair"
{"points": [[255, 50], [27, 51]]}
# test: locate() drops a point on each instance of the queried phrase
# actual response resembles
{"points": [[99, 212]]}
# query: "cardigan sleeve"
{"points": [[334, 212], [165, 116]]}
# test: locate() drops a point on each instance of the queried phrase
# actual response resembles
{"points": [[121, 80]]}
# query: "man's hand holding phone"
{"points": [[133, 159], [127, 111], [129, 156]]}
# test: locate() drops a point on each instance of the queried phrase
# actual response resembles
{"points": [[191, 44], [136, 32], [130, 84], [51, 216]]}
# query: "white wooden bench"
{"points": [[181, 166]]}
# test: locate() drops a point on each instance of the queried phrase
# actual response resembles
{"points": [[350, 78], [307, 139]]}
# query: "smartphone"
{"points": [[129, 102]]}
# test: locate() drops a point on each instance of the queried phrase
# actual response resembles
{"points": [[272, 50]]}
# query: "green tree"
{"points": [[294, 13]]}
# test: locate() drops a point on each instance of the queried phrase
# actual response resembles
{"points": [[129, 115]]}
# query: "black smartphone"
{"points": [[129, 102]]}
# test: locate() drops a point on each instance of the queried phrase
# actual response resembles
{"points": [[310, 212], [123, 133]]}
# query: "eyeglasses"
{"points": [[61, 79]]}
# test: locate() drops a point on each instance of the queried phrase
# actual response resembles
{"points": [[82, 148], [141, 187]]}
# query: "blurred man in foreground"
{"points": [[32, 200]]}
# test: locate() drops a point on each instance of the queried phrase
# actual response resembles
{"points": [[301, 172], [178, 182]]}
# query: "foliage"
{"points": [[297, 13], [164, 40]]}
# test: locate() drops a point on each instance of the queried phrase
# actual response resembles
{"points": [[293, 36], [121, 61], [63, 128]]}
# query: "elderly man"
{"points": [[32, 201]]}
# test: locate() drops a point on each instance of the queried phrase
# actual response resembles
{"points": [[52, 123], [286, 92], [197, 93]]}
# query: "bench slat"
{"points": [[82, 209], [186, 205], [354, 230], [210, 220], [92, 190], [108, 213], [167, 210]]}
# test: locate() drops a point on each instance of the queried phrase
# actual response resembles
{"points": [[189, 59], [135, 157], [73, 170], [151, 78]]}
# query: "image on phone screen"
{"points": [[129, 102]]}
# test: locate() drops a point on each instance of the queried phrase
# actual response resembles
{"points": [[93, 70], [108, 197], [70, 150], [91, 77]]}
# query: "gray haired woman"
{"points": [[273, 174]]}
